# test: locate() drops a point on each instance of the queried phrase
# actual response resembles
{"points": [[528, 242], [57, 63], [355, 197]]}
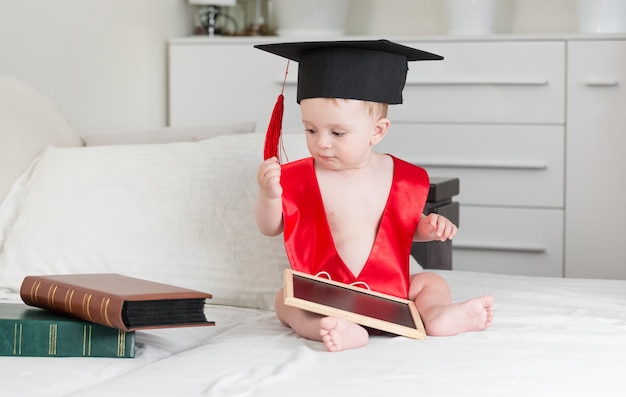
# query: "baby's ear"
{"points": [[380, 130]]}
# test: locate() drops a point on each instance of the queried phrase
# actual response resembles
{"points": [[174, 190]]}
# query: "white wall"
{"points": [[429, 16], [104, 62]]}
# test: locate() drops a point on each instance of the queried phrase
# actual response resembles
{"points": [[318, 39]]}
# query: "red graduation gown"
{"points": [[309, 242]]}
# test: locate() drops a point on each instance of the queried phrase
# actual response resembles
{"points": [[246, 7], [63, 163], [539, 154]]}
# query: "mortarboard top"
{"points": [[368, 70]]}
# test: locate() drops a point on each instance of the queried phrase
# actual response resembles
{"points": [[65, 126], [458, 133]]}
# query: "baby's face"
{"points": [[339, 131]]}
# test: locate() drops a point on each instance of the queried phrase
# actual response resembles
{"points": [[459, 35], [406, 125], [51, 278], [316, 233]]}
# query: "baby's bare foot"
{"points": [[340, 334], [472, 315]]}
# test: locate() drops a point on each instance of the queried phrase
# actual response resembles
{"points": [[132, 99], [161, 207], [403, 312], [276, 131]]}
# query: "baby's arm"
{"points": [[433, 227], [269, 206]]}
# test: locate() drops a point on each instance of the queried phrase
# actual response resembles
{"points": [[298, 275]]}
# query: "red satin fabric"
{"points": [[309, 242]]}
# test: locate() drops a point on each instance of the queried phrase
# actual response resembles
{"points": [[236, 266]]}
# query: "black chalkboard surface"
{"points": [[371, 309]]}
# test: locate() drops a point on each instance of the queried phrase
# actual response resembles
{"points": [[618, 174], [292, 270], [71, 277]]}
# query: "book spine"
{"points": [[72, 338], [66, 299]]}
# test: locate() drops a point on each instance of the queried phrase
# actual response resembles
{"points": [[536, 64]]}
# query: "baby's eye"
{"points": [[309, 131], [338, 133]]}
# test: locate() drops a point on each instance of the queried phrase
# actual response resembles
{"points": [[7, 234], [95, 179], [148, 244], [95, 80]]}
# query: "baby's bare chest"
{"points": [[354, 204], [354, 210]]}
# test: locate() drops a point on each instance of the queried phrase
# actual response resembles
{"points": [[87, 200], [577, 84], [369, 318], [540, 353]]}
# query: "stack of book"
{"points": [[93, 315]]}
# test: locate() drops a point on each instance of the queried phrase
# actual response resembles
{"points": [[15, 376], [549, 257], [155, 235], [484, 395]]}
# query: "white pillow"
{"points": [[180, 213], [28, 123], [167, 134]]}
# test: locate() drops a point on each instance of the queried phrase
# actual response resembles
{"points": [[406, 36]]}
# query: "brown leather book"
{"points": [[117, 301]]}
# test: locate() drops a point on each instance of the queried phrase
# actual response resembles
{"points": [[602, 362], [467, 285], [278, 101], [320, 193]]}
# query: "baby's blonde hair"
{"points": [[376, 110]]}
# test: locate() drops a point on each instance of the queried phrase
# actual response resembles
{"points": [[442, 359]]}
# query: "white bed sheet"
{"points": [[550, 337]]}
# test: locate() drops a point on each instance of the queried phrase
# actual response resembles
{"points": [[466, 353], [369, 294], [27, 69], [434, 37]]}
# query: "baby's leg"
{"points": [[336, 333], [440, 315]]}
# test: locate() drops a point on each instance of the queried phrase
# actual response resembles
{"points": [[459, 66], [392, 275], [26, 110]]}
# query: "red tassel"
{"points": [[274, 128]]}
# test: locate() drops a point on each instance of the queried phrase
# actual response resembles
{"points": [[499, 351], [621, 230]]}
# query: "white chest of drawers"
{"points": [[595, 183], [493, 114], [496, 113]]}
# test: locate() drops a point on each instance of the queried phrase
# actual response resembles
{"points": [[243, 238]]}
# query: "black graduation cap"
{"points": [[367, 70]]}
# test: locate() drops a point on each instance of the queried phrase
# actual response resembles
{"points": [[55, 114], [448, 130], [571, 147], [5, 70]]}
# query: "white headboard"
{"points": [[28, 123]]}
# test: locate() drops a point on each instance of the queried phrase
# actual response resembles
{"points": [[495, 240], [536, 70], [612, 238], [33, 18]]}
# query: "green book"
{"points": [[29, 331]]}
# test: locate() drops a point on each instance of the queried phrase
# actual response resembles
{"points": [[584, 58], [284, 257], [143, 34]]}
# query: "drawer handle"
{"points": [[480, 82], [602, 83], [522, 165], [529, 249]]}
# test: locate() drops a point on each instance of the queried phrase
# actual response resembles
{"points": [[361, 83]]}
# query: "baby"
{"points": [[349, 211]]}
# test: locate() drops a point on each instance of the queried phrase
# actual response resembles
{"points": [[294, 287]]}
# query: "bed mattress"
{"points": [[550, 337]]}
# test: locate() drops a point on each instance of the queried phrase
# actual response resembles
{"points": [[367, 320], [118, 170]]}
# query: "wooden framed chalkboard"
{"points": [[368, 308]]}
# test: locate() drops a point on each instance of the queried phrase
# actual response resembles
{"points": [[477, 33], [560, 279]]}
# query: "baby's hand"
{"points": [[436, 227], [268, 178]]}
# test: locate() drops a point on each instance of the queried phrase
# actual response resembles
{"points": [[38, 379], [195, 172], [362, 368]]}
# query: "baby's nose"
{"points": [[324, 140]]}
